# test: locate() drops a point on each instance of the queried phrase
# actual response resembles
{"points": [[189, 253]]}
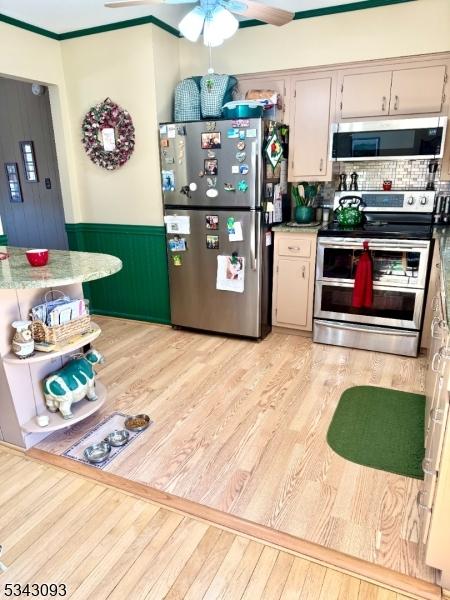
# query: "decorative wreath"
{"points": [[113, 151]]}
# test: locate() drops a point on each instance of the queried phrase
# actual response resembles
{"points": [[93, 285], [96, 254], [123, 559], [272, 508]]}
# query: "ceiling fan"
{"points": [[215, 17]]}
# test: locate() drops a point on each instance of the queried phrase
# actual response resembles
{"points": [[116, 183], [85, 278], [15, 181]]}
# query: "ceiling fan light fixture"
{"points": [[191, 25], [225, 22], [212, 36]]}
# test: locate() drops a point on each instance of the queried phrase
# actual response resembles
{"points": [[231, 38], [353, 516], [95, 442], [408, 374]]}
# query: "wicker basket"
{"points": [[52, 335]]}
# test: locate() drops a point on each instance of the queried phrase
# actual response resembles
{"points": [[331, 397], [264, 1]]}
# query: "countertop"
{"points": [[288, 228], [63, 268]]}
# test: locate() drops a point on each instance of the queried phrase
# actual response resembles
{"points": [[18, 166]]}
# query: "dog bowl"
{"points": [[97, 453], [137, 423], [118, 437], [37, 258]]}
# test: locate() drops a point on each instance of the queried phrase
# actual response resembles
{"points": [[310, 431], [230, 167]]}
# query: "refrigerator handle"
{"points": [[254, 161], [253, 240]]}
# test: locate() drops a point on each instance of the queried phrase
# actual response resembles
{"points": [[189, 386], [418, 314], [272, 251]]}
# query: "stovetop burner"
{"points": [[380, 230], [385, 225]]}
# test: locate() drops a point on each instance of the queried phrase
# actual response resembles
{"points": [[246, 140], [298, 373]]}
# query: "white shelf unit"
{"points": [[81, 410], [69, 346]]}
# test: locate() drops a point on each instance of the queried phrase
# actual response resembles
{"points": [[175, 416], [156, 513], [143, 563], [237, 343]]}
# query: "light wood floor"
{"points": [[241, 426], [56, 527]]}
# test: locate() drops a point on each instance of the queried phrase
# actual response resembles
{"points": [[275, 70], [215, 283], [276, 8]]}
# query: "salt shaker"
{"points": [[354, 181], [342, 182]]}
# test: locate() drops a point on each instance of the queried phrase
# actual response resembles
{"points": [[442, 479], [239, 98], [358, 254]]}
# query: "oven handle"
{"points": [[375, 243], [384, 287], [366, 330]]}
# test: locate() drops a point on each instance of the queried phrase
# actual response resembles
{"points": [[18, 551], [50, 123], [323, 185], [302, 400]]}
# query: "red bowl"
{"points": [[37, 258]]}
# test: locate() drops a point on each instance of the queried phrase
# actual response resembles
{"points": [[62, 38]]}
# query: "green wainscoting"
{"points": [[3, 240], [141, 289]]}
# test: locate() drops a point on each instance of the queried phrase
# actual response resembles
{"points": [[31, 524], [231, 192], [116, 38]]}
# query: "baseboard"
{"points": [[12, 447], [398, 582], [131, 316], [292, 331]]}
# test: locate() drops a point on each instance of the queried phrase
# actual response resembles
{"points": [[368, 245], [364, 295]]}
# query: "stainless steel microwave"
{"points": [[396, 139]]}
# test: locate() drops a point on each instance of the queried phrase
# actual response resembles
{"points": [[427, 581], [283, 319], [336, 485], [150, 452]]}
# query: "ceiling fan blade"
{"points": [[255, 10], [124, 3]]}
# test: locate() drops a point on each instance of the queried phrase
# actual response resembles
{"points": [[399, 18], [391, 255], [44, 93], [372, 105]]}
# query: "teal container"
{"points": [[304, 214], [242, 111]]}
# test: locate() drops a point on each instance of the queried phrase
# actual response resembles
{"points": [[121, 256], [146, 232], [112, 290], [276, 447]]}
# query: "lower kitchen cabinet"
{"points": [[293, 281], [434, 498]]}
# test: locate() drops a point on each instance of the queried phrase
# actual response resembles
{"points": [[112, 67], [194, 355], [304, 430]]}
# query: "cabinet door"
{"points": [[293, 281], [366, 95], [445, 164], [417, 90], [310, 135]]}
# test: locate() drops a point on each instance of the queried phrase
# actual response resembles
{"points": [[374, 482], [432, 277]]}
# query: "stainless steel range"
{"points": [[398, 228]]}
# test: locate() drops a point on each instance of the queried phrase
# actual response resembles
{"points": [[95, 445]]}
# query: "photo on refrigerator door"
{"points": [[230, 273], [211, 166], [177, 244], [168, 181], [212, 242], [212, 221], [211, 140]]}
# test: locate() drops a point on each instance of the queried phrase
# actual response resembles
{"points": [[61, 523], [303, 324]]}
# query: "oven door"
{"points": [[392, 306], [401, 263]]}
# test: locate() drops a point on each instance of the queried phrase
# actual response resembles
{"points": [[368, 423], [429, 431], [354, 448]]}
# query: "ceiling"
{"points": [[61, 16]]}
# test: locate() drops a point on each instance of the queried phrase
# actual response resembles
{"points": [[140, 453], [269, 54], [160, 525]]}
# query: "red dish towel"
{"points": [[363, 288]]}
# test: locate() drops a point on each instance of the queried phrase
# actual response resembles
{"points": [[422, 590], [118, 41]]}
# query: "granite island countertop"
{"points": [[63, 268]]}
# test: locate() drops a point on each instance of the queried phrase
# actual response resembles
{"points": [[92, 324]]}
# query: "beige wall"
{"points": [[391, 31], [118, 64], [27, 56], [167, 72], [138, 69]]}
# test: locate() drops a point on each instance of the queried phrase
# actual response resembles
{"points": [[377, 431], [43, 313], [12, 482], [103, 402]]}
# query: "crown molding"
{"points": [[151, 20]]}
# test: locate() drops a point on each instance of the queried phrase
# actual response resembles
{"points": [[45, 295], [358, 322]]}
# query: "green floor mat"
{"points": [[380, 428]]}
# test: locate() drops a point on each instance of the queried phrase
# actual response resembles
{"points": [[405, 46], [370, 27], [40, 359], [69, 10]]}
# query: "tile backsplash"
{"points": [[405, 174]]}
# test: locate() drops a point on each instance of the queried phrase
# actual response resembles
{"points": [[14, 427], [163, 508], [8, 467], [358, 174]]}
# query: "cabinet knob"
{"points": [[420, 503], [296, 248], [436, 362], [437, 415], [321, 165], [383, 104], [426, 467], [396, 103], [303, 271]]}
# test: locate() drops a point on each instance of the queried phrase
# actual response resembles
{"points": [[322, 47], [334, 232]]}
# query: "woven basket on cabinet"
{"points": [[52, 335]]}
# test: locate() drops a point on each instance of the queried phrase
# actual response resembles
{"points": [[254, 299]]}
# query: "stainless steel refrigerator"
{"points": [[218, 183]]}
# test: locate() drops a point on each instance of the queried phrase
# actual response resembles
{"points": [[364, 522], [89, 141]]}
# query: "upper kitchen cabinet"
{"points": [[416, 91], [309, 136], [407, 91], [365, 94]]}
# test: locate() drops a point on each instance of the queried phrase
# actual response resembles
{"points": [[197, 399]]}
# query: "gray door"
{"points": [[38, 221], [194, 300], [187, 159]]}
